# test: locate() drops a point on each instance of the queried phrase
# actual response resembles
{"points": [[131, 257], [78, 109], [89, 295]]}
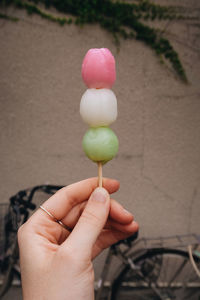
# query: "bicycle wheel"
{"points": [[158, 274]]}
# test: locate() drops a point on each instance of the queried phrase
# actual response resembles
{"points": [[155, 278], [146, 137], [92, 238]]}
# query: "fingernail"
{"points": [[100, 195]]}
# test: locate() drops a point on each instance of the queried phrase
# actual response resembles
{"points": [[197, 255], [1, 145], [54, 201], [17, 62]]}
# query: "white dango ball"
{"points": [[98, 107]]}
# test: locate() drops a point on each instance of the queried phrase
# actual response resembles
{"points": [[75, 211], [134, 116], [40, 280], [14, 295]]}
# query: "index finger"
{"points": [[66, 198]]}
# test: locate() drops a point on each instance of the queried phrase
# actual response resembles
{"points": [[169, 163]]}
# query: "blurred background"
{"points": [[158, 125]]}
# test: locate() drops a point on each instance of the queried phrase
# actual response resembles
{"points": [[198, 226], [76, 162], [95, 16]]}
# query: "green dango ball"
{"points": [[100, 144]]}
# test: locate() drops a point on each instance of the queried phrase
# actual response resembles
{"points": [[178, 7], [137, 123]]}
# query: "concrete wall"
{"points": [[158, 126]]}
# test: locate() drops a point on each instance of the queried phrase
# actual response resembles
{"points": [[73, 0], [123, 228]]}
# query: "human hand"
{"points": [[56, 263]]}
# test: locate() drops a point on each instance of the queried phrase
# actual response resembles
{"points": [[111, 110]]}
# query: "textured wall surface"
{"points": [[158, 126]]}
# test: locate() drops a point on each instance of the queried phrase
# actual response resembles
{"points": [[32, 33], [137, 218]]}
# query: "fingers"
{"points": [[125, 228], [119, 214], [112, 236], [62, 202], [91, 222]]}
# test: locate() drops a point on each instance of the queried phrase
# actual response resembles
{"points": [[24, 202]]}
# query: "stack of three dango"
{"points": [[98, 107]]}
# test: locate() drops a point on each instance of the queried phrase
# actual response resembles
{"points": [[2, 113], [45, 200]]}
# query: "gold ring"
{"points": [[56, 220]]}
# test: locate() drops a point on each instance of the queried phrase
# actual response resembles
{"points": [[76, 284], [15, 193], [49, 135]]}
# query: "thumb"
{"points": [[91, 222]]}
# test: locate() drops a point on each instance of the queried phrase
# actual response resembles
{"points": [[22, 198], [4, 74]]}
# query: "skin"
{"points": [[56, 263]]}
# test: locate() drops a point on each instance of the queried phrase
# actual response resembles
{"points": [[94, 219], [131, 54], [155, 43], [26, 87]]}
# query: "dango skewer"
{"points": [[98, 107]]}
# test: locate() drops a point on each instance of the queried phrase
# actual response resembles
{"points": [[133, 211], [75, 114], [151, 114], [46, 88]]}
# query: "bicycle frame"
{"points": [[135, 251], [114, 250]]}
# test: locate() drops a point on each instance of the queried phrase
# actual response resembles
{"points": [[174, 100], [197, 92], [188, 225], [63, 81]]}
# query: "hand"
{"points": [[56, 263]]}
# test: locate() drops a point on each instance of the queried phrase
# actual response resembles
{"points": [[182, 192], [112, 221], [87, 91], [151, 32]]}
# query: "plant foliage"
{"points": [[121, 19]]}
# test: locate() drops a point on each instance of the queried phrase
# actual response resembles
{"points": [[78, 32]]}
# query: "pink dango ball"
{"points": [[98, 68]]}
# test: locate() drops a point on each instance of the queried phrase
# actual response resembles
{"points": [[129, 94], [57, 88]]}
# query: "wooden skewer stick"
{"points": [[100, 177]]}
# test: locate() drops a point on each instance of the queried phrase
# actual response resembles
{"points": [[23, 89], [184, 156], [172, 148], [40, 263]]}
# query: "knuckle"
{"points": [[24, 230], [64, 192], [21, 229], [20, 232], [60, 191]]}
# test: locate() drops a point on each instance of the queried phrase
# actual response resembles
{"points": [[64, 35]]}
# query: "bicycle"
{"points": [[149, 269]]}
